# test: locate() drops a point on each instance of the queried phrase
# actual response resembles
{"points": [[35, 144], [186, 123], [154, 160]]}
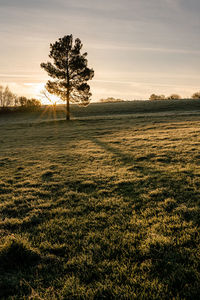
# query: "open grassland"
{"points": [[107, 110], [104, 208]]}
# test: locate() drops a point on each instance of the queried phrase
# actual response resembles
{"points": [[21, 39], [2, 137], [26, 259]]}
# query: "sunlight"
{"points": [[45, 98], [51, 100]]}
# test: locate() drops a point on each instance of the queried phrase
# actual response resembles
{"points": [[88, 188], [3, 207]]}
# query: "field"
{"points": [[106, 206]]}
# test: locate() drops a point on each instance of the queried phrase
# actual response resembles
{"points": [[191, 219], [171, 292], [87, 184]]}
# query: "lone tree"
{"points": [[69, 71], [196, 95]]}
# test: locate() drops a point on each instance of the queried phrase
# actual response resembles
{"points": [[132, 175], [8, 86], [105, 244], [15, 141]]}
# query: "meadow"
{"points": [[106, 206]]}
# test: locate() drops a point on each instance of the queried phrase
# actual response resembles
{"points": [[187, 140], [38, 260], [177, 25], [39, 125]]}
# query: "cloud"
{"points": [[154, 43], [145, 49]]}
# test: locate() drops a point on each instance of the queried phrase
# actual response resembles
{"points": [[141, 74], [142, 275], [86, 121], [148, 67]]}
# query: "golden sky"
{"points": [[136, 47]]}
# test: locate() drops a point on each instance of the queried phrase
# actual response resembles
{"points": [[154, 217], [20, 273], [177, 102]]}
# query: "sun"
{"points": [[49, 99], [45, 97]]}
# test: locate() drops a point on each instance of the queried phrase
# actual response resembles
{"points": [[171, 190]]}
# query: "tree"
{"points": [[110, 100], [1, 95], [29, 104], [16, 100], [33, 104], [157, 97], [7, 97], [69, 71], [196, 95], [23, 101], [174, 97]]}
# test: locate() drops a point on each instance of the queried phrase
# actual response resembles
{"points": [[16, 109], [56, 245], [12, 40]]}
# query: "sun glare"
{"points": [[44, 96], [51, 100]]}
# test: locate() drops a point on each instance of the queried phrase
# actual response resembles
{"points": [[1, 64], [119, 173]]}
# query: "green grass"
{"points": [[100, 208], [105, 110]]}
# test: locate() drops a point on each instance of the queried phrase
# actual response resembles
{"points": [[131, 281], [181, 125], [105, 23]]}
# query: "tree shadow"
{"points": [[16, 257], [151, 177], [125, 159]]}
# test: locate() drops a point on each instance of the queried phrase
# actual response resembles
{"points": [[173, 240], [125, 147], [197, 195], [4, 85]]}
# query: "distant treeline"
{"points": [[10, 102], [110, 100], [153, 97], [172, 97]]}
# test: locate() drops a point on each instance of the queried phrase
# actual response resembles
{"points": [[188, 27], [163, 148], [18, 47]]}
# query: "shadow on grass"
{"points": [[151, 177], [124, 158], [16, 257]]}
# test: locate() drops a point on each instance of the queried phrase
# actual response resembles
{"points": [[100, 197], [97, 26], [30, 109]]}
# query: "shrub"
{"points": [[196, 95], [157, 97]]}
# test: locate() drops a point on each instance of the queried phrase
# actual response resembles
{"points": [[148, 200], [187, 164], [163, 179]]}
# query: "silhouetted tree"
{"points": [[1, 95], [16, 100], [23, 101], [70, 72], [111, 100], [196, 95], [10, 102], [29, 104], [174, 97], [157, 97], [7, 98], [33, 104]]}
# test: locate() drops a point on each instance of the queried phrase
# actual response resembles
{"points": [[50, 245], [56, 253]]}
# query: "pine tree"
{"points": [[69, 71]]}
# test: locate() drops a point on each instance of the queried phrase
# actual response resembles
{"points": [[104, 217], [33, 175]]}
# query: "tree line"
{"points": [[10, 102], [173, 97], [111, 100]]}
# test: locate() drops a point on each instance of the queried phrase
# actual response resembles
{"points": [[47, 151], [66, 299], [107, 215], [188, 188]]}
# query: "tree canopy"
{"points": [[196, 95], [69, 71]]}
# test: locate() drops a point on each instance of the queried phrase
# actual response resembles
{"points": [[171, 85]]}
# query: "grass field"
{"points": [[103, 207]]}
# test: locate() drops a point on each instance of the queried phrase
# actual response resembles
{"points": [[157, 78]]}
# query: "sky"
{"points": [[136, 47]]}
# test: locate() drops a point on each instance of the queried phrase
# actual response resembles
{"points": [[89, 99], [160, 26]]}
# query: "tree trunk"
{"points": [[67, 107], [68, 91]]}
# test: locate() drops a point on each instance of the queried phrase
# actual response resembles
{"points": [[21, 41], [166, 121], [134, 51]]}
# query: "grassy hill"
{"points": [[108, 110], [103, 207]]}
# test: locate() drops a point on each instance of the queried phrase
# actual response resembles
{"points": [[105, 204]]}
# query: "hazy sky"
{"points": [[136, 47]]}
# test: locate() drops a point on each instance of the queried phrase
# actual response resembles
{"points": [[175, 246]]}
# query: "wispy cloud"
{"points": [[3, 75], [145, 49], [134, 46]]}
